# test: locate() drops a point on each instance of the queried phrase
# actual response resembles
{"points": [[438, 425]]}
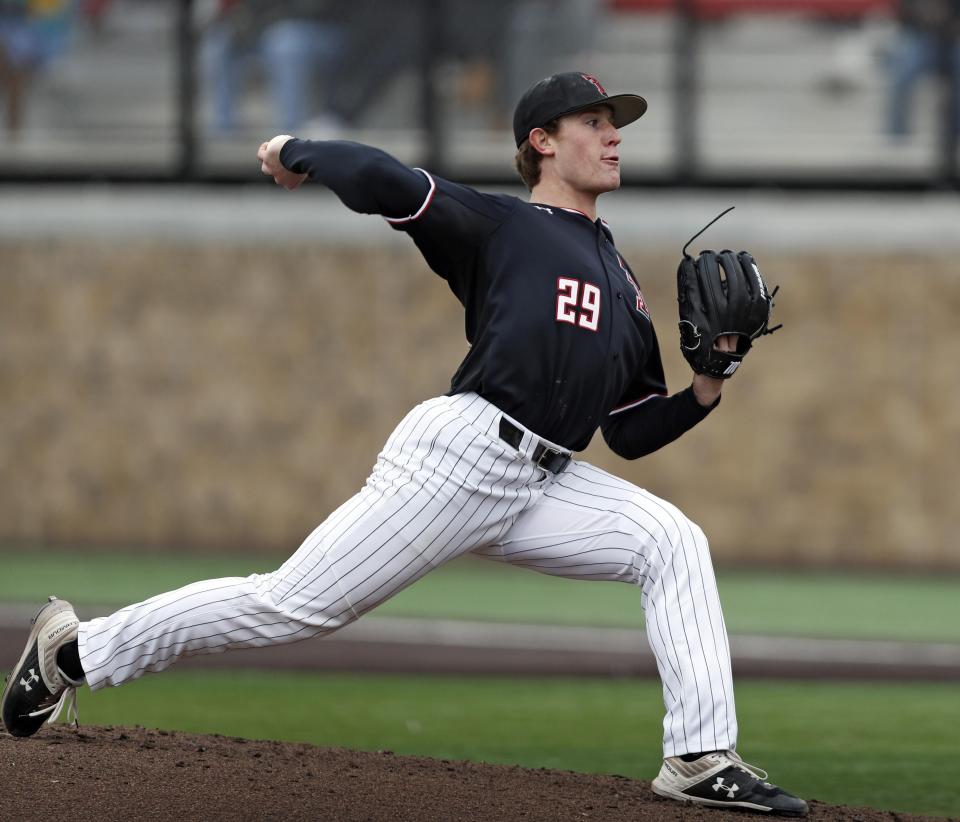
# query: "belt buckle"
{"points": [[556, 461]]}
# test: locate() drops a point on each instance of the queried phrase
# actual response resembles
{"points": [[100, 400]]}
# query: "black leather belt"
{"points": [[550, 459]]}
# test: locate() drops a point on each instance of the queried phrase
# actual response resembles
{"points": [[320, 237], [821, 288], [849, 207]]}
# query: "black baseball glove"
{"points": [[721, 294]]}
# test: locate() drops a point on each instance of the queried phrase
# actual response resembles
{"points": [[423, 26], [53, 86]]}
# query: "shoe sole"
{"points": [[668, 793], [53, 606]]}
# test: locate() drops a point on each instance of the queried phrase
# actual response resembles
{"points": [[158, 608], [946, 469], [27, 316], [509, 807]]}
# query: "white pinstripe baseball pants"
{"points": [[445, 484]]}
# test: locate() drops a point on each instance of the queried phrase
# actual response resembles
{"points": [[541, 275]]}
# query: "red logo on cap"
{"points": [[594, 81]]}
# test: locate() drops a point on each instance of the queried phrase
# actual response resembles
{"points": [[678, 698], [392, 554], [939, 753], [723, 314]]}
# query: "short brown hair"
{"points": [[528, 159]]}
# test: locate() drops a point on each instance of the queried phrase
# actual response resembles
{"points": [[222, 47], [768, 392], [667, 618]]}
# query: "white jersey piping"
{"points": [[634, 404], [426, 203]]}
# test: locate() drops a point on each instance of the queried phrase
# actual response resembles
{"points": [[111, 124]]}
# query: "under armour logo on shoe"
{"points": [[28, 682], [730, 789]]}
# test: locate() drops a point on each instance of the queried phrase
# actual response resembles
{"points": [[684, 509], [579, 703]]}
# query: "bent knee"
{"points": [[665, 525]]}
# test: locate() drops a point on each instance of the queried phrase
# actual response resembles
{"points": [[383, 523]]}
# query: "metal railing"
{"points": [[735, 99]]}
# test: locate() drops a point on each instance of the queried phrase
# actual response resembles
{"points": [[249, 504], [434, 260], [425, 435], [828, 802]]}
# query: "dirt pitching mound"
{"points": [[125, 774]]}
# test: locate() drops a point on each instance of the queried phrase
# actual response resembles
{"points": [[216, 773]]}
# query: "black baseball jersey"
{"points": [[560, 336]]}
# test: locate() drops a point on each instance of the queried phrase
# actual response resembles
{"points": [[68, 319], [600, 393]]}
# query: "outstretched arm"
{"points": [[366, 179]]}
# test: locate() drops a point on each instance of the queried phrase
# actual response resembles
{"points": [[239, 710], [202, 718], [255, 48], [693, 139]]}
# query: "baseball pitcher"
{"points": [[561, 344]]}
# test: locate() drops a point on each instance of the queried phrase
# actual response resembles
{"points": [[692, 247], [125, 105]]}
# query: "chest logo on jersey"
{"points": [[578, 303], [641, 303]]}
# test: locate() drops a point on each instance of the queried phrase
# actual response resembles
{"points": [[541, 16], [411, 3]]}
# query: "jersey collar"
{"points": [[577, 214], [600, 222], [575, 211]]}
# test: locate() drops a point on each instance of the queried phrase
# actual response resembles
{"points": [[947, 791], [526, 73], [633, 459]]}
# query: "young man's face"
{"points": [[587, 155]]}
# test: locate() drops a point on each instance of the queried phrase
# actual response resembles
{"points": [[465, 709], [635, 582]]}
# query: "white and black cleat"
{"points": [[37, 690], [723, 780]]}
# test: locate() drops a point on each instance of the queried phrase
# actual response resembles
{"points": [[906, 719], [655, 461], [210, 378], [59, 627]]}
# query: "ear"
{"points": [[542, 142]]}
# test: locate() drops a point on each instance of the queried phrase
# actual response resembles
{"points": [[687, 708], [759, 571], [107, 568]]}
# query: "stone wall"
{"points": [[218, 398]]}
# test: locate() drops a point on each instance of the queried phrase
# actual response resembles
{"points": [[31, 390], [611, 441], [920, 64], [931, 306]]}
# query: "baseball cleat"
{"points": [[723, 780], [37, 690]]}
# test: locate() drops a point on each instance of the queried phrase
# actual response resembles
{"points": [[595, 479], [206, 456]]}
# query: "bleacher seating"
{"points": [[716, 9], [798, 91]]}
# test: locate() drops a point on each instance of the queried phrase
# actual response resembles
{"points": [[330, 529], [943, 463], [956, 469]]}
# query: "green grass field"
{"points": [[883, 745], [888, 746], [787, 603]]}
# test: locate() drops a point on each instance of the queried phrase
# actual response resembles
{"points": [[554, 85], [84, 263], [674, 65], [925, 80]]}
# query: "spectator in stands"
{"points": [[542, 37], [385, 40], [382, 40], [298, 43], [327, 61], [926, 27], [33, 33], [505, 46]]}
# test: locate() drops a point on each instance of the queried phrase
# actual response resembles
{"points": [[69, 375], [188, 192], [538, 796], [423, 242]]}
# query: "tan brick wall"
{"points": [[227, 399]]}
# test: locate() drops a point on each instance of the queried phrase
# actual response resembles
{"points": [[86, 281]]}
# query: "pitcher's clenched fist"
{"points": [[269, 156]]}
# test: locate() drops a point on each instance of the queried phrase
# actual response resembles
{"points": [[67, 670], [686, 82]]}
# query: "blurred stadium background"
{"points": [[798, 92], [195, 367]]}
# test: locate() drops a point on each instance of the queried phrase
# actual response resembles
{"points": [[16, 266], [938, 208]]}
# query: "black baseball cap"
{"points": [[566, 93]]}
